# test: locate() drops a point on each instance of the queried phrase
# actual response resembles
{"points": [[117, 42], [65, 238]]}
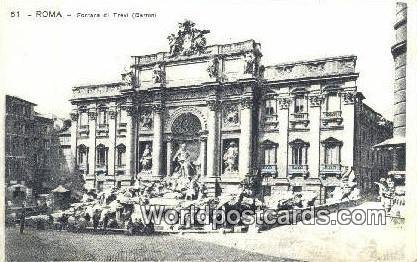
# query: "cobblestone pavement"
{"points": [[36, 245], [321, 243]]}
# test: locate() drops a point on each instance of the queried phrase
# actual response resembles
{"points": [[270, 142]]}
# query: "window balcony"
{"points": [[121, 167], [331, 169], [83, 129], [299, 118], [102, 129], [298, 170], [101, 167], [333, 116], [270, 121], [122, 127], [83, 167], [269, 170]]}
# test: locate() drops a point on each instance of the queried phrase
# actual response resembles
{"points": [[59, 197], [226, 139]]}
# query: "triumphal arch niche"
{"points": [[195, 109]]}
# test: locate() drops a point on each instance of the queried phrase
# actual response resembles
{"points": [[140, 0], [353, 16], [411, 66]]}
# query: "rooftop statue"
{"points": [[188, 40], [128, 77]]}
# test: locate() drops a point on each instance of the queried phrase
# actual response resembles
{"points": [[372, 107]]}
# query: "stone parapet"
{"points": [[340, 65], [232, 49]]}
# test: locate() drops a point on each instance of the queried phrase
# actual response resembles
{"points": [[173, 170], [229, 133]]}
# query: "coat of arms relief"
{"points": [[188, 40]]}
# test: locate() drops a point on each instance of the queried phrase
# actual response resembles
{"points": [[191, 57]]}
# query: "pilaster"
{"points": [[282, 151], [112, 142], [348, 108], [130, 140], [315, 102], [92, 121]]}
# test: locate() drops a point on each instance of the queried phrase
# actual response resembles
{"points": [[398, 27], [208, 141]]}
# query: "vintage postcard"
{"points": [[209, 130]]}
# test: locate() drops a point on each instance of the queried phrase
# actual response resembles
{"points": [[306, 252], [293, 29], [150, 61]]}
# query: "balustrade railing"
{"points": [[269, 170], [330, 168], [332, 115], [294, 169]]}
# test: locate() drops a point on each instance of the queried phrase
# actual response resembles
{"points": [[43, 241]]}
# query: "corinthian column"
{"points": [[203, 145], [212, 126], [245, 141], [130, 140], [157, 140], [169, 157]]}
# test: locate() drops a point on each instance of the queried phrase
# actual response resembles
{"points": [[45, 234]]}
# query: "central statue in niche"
{"points": [[183, 159], [185, 136]]}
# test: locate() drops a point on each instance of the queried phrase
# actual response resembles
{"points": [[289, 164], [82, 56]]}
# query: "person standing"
{"points": [[22, 218], [96, 219]]}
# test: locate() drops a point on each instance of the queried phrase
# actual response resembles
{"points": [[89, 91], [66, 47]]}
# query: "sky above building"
{"points": [[43, 58]]}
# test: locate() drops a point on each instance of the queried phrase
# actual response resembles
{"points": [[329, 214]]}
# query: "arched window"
{"points": [[121, 154], [299, 152], [101, 155]]}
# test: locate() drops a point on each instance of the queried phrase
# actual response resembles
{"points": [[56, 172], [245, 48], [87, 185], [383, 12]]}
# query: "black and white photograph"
{"points": [[269, 130]]}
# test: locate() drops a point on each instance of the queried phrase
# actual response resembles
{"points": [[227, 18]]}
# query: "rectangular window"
{"points": [[102, 117], [299, 155], [270, 107], [331, 154], [101, 156], [333, 102], [270, 155], [83, 119], [121, 156], [82, 157], [122, 116], [299, 105]]}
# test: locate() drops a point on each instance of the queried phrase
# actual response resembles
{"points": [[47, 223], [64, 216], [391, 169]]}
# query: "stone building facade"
{"points": [[27, 141], [215, 113]]}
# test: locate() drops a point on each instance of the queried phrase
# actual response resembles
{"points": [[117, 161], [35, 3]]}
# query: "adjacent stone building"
{"points": [[216, 114], [27, 141]]}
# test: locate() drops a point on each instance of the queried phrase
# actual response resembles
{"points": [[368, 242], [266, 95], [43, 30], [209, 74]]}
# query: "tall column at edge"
{"points": [[157, 140]]}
